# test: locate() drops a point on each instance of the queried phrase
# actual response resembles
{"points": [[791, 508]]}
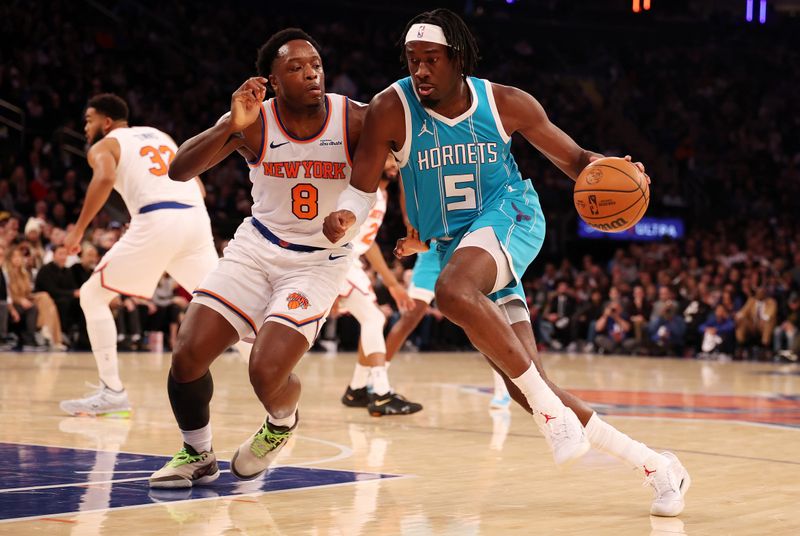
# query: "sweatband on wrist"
{"points": [[358, 202]]}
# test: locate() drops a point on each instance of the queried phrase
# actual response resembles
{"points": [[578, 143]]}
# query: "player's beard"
{"points": [[428, 102], [96, 136]]}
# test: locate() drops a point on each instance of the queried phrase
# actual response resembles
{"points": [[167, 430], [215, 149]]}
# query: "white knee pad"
{"points": [[371, 320], [95, 299], [485, 239], [515, 311]]}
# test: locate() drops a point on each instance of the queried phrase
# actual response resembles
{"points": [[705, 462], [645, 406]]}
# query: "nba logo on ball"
{"points": [[611, 194]]}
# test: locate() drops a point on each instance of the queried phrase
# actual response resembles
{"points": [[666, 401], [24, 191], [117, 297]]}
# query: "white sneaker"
{"points": [[102, 403], [255, 455], [565, 435], [500, 401], [670, 484]]}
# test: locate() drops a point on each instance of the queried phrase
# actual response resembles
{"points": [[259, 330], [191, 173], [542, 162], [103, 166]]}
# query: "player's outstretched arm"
{"points": [[213, 145], [102, 158], [383, 122], [522, 113], [399, 295]]}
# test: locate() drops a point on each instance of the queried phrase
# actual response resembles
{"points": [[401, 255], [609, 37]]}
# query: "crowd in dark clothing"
{"points": [[712, 115]]}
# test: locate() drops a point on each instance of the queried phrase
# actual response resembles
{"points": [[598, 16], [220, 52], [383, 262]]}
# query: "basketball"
{"points": [[611, 194]]}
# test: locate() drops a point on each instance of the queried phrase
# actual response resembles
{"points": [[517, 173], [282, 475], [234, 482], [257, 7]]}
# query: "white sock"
{"points": [[379, 380], [103, 338], [288, 422], [360, 377], [200, 439], [500, 389], [387, 365], [608, 439], [539, 395]]}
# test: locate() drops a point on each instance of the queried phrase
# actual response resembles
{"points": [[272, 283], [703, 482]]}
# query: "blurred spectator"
{"points": [[6, 305], [667, 331], [555, 325], [21, 306], [128, 317], [613, 330], [639, 310], [756, 320], [59, 282], [165, 310], [786, 342], [584, 323], [717, 333]]}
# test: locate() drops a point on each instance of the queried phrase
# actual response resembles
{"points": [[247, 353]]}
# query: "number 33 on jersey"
{"points": [[296, 182]]}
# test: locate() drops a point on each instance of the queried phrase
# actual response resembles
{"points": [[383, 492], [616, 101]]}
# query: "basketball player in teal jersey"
{"points": [[451, 133]]}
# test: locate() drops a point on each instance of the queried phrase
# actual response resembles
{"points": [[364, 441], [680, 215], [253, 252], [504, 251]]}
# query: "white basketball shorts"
{"points": [[258, 281], [176, 241]]}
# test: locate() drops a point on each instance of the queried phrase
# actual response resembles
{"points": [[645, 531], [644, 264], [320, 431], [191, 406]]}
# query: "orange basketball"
{"points": [[611, 194]]}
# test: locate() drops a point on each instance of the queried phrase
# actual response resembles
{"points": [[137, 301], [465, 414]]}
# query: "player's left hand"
{"points": [[639, 166], [629, 158], [336, 224], [410, 245], [73, 241], [401, 298]]}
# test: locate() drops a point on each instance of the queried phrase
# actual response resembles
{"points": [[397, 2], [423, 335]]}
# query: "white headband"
{"points": [[426, 32]]}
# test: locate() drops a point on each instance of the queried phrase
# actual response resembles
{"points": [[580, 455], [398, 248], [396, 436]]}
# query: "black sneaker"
{"points": [[391, 404], [356, 398]]}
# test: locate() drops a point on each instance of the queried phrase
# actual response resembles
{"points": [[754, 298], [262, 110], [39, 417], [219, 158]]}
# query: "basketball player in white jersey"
{"points": [[169, 231], [279, 276], [369, 386]]}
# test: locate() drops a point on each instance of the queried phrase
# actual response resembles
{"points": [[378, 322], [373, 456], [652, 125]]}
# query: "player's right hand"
{"points": [[337, 223], [400, 296], [246, 103], [73, 241]]}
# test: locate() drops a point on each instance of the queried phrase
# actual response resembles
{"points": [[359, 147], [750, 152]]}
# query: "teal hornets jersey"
{"points": [[454, 169]]}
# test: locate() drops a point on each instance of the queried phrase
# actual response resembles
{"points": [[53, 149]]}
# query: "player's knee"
{"points": [[452, 299], [265, 374], [188, 359], [94, 299]]}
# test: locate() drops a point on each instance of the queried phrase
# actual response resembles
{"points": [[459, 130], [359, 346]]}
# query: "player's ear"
{"points": [[107, 122], [273, 83]]}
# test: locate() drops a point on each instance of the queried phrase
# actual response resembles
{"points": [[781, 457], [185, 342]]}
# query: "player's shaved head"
{"points": [[270, 50]]}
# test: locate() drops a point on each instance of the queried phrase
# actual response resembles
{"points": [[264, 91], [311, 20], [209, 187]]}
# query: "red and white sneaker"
{"points": [[670, 482]]}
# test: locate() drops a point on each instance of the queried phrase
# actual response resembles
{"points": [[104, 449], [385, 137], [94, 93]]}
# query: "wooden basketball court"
{"points": [[455, 468]]}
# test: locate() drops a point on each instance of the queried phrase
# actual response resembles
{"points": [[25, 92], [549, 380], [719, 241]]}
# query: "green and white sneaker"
{"points": [[255, 455], [187, 468]]}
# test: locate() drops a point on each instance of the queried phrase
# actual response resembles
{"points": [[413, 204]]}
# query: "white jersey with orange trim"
{"points": [[297, 182], [357, 277], [141, 177], [369, 229]]}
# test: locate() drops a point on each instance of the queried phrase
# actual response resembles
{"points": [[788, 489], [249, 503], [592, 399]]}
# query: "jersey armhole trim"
{"points": [[263, 117], [346, 134], [493, 106], [402, 154]]}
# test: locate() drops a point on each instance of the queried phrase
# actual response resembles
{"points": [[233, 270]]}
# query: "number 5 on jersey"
{"points": [[453, 188], [304, 201]]}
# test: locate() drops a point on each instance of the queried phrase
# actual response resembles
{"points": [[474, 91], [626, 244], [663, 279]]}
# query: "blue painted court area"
{"points": [[45, 481]]}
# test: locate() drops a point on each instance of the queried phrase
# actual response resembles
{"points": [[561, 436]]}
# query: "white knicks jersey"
{"points": [[369, 229], [296, 183], [142, 171]]}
